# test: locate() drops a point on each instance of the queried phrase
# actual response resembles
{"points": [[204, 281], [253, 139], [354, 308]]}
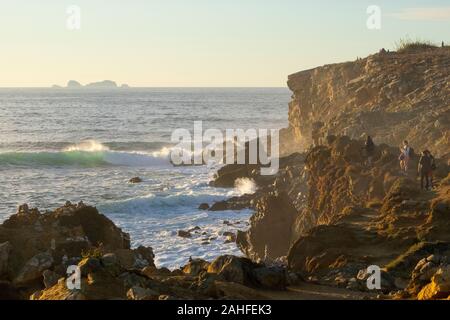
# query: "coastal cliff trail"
{"points": [[310, 291]]}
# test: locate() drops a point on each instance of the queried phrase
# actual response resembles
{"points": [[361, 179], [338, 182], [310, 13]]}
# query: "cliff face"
{"points": [[391, 96]]}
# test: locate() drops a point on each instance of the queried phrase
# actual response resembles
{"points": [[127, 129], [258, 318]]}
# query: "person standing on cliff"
{"points": [[433, 167], [405, 156], [425, 170], [370, 149]]}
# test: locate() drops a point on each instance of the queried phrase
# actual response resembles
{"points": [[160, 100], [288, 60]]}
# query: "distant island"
{"points": [[73, 84]]}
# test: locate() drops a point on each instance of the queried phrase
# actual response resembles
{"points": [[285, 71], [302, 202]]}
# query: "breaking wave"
{"points": [[88, 153]]}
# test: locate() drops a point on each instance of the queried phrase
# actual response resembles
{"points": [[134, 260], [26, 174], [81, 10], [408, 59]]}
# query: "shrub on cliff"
{"points": [[407, 45]]}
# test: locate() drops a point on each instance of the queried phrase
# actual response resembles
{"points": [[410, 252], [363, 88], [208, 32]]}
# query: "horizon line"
{"points": [[150, 87]]}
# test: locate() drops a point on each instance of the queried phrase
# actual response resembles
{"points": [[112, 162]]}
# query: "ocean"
{"points": [[59, 145]]}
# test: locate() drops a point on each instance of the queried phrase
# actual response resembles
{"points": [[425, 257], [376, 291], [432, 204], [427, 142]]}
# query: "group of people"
{"points": [[426, 166]]}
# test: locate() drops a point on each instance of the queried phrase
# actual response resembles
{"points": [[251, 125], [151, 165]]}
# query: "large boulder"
{"points": [[5, 249], [33, 268], [232, 269], [439, 288], [269, 235], [38, 241]]}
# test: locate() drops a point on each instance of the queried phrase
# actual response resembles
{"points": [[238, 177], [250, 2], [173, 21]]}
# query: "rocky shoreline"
{"points": [[36, 250], [323, 219]]}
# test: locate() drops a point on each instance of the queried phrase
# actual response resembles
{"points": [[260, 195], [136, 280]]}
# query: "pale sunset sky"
{"points": [[200, 43]]}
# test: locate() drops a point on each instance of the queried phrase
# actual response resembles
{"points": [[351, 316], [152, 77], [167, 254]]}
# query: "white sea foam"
{"points": [[245, 186], [87, 146]]}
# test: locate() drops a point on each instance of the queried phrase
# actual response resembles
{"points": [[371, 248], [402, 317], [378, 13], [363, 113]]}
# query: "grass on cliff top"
{"points": [[407, 45], [94, 252]]}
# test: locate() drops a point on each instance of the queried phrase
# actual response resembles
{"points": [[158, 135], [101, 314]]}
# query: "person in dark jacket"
{"points": [[425, 170], [370, 149], [433, 167]]}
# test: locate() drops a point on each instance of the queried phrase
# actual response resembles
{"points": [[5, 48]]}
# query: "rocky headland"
{"points": [[392, 96]]}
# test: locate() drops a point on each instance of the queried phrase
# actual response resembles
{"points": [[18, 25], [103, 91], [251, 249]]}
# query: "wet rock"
{"points": [[184, 234], [219, 206], [203, 206], [197, 228], [230, 237], [135, 180]]}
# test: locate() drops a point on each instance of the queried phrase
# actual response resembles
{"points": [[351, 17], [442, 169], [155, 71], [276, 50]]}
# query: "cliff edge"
{"points": [[391, 96]]}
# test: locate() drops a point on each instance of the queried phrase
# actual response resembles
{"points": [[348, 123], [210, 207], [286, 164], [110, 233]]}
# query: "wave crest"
{"points": [[87, 146]]}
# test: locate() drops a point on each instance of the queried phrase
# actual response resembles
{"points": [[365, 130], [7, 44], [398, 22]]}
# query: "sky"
{"points": [[199, 43]]}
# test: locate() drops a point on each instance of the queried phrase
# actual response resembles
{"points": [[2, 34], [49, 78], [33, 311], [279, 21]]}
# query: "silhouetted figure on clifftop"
{"points": [[425, 170], [370, 149]]}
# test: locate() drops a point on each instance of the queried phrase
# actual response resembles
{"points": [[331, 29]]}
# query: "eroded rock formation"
{"points": [[36, 250], [391, 96]]}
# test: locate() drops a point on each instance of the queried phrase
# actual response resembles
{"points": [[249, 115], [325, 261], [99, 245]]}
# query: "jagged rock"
{"points": [[139, 293], [89, 265], [227, 175], [135, 180], [33, 268], [219, 206], [385, 95], [269, 236], [195, 267], [42, 246], [50, 278], [152, 271], [135, 258], [184, 234], [232, 269], [194, 229], [235, 203], [439, 288], [203, 206], [418, 264], [5, 249], [109, 260]]}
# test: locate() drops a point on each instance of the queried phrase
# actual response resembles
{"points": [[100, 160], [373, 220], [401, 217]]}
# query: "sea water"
{"points": [[59, 145]]}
